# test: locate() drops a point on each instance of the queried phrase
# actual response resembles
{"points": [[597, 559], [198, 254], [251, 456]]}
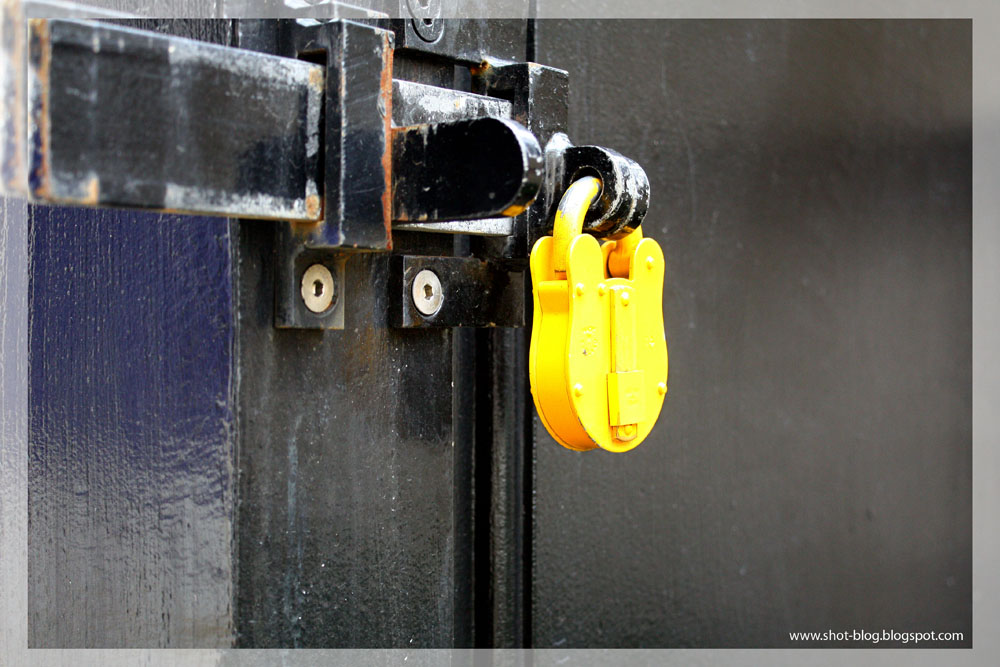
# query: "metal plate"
{"points": [[418, 103], [475, 293]]}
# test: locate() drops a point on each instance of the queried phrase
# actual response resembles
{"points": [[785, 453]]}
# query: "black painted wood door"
{"points": [[200, 478]]}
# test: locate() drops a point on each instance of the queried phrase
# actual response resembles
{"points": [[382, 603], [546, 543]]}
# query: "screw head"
{"points": [[650, 263], [602, 289], [625, 298], [662, 388], [427, 292], [579, 289], [578, 390], [318, 289]]}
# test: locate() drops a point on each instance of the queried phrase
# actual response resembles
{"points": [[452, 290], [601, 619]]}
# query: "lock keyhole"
{"points": [[428, 292], [317, 288]]}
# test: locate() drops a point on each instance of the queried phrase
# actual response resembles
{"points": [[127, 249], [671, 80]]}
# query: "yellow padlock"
{"points": [[598, 359]]}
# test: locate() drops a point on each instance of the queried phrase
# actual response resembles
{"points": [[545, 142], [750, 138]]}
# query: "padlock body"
{"points": [[598, 362]]}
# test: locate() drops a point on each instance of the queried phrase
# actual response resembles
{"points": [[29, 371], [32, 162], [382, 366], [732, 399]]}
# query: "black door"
{"points": [[199, 477]]}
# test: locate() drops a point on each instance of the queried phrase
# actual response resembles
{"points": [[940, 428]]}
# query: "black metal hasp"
{"points": [[624, 197], [464, 170]]}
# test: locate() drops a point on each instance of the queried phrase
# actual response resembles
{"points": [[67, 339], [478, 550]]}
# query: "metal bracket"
{"points": [[356, 149], [464, 292], [293, 259]]}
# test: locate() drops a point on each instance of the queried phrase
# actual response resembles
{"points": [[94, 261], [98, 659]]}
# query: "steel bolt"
{"points": [[318, 288], [427, 292]]}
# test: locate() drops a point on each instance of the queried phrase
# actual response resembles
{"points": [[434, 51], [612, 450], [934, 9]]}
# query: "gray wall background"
{"points": [[812, 467]]}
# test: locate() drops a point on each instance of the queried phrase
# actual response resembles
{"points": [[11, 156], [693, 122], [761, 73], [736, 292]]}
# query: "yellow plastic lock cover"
{"points": [[598, 356]]}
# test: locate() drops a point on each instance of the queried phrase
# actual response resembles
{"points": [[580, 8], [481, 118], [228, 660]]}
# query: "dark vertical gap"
{"points": [[530, 49], [464, 426], [234, 398], [483, 544], [527, 423], [527, 476]]}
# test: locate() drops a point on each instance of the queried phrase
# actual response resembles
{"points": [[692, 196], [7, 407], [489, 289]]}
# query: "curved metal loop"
{"points": [[573, 207], [624, 197]]}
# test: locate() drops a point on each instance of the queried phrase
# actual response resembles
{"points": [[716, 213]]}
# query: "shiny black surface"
{"points": [[123, 117], [132, 424], [347, 460], [463, 170], [130, 442]]}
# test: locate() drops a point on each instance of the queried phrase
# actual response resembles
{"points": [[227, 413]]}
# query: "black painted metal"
{"points": [[540, 97], [466, 41], [357, 120], [476, 293], [348, 455], [417, 103], [624, 197], [358, 456], [122, 117], [464, 170], [291, 260]]}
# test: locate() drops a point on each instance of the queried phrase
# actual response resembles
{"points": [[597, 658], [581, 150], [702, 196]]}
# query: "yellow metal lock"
{"points": [[598, 360]]}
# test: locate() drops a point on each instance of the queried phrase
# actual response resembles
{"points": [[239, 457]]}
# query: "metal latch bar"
{"points": [[123, 117]]}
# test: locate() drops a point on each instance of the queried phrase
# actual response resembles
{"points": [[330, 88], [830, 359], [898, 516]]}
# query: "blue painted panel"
{"points": [[131, 427]]}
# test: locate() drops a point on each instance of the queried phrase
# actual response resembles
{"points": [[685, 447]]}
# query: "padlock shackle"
{"points": [[620, 257], [573, 207]]}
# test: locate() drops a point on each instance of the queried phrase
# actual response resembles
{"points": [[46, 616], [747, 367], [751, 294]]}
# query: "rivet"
{"points": [[579, 289], [578, 390], [625, 298], [662, 388], [602, 289], [650, 263]]}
